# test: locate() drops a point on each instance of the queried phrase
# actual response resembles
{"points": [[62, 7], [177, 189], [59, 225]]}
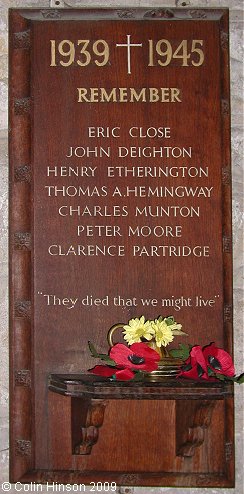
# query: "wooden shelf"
{"points": [[195, 402], [90, 386]]}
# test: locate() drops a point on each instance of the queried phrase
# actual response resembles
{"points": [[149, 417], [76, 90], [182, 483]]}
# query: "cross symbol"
{"points": [[128, 45]]}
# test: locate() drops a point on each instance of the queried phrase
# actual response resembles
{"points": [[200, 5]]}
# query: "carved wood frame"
{"points": [[22, 380]]}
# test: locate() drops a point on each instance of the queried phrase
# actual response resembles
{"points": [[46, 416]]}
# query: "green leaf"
{"points": [[102, 356], [221, 377], [240, 379], [169, 320], [138, 376], [182, 352], [175, 352], [235, 379], [93, 350], [107, 359]]}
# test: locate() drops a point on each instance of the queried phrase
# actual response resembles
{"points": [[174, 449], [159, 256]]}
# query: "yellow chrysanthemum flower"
{"points": [[137, 329], [163, 333]]}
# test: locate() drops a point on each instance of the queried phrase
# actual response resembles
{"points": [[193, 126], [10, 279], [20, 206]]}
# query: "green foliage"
{"points": [[240, 379], [93, 350], [235, 379], [102, 356], [221, 377], [169, 320], [182, 352], [107, 359]]}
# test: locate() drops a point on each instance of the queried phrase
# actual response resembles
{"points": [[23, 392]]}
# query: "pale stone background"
{"points": [[236, 30]]}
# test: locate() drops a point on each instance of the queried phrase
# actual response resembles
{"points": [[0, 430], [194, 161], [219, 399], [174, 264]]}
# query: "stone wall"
{"points": [[236, 37]]}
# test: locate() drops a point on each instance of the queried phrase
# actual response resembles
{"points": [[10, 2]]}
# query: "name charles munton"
{"points": [[129, 95]]}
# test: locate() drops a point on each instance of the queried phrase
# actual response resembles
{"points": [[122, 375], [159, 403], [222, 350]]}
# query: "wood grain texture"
{"points": [[89, 386], [21, 452], [48, 342], [226, 190]]}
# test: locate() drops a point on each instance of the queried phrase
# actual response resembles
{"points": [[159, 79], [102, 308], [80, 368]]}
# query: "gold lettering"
{"points": [[123, 94], [175, 95], [103, 53], [134, 96], [107, 97], [94, 95], [162, 52], [69, 52], [153, 91], [131, 95], [82, 92]]}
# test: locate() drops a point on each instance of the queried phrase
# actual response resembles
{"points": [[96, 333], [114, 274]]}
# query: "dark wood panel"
{"points": [[47, 121]]}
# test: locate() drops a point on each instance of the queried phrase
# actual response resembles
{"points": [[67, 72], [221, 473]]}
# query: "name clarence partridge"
{"points": [[129, 95]]}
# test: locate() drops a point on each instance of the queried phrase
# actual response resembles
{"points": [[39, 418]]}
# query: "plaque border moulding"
{"points": [[23, 378], [22, 40], [22, 241], [22, 173], [22, 448], [22, 432]]}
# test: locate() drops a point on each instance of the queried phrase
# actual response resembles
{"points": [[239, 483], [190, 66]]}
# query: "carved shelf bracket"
{"points": [[87, 417], [194, 405], [192, 420]]}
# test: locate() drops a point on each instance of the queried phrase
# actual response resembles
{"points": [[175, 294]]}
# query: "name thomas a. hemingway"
{"points": [[129, 95]]}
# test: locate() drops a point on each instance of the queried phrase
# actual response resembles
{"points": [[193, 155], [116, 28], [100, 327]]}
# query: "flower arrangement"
{"points": [[161, 330], [124, 363], [208, 363], [146, 339]]}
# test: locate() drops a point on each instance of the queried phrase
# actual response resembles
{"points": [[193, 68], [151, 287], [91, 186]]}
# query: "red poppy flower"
{"points": [[195, 366], [218, 360], [138, 357], [120, 374]]}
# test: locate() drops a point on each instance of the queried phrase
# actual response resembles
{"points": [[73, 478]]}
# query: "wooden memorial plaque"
{"points": [[120, 206]]}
